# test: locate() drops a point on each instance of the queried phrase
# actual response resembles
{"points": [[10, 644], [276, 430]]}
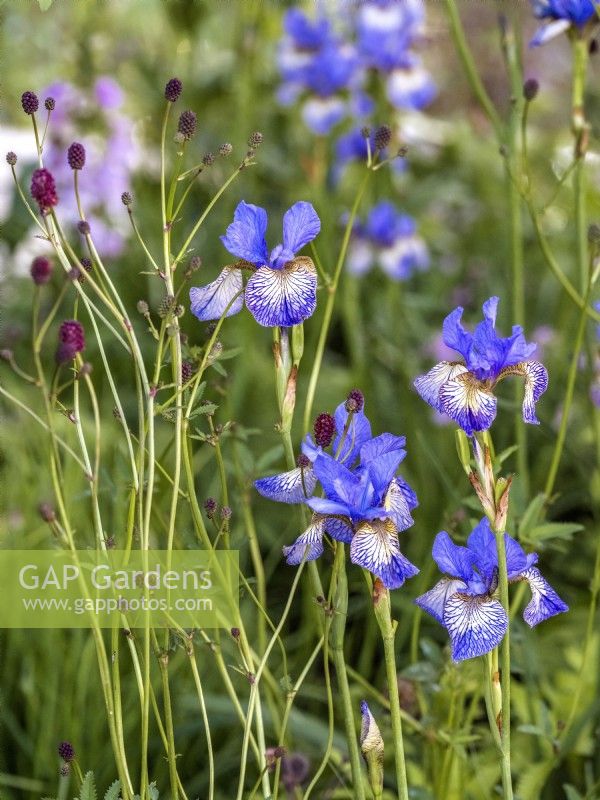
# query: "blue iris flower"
{"points": [[386, 32], [318, 65], [464, 390], [365, 504], [563, 14], [465, 601], [282, 290], [387, 238]]}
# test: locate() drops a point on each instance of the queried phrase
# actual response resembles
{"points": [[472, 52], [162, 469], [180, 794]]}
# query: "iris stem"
{"points": [[388, 633]]}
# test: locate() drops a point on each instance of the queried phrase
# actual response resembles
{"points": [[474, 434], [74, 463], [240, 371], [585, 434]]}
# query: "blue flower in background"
{"points": [[387, 238], [282, 288], [563, 14], [314, 62], [464, 391], [464, 602]]}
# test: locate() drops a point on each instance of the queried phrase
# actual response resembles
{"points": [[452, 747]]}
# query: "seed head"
{"points": [[187, 370], [83, 226], [142, 307], [71, 340], [11, 158], [225, 513], [87, 266], [126, 199], [294, 770], [46, 512], [66, 751], [193, 266], [173, 89], [179, 310], [210, 506], [225, 149], [382, 137], [324, 429], [7, 355], [303, 461], [43, 189], [166, 306], [208, 159], [355, 401], [530, 89], [41, 270], [255, 139], [65, 769], [594, 234], [235, 632], [30, 102], [187, 124], [76, 155], [365, 132], [49, 104]]}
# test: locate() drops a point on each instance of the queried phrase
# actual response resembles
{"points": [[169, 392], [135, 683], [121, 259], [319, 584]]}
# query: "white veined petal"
{"points": [[475, 624], [544, 601], [395, 502], [309, 545], [536, 383], [288, 487], [429, 385], [209, 302], [375, 547], [435, 599], [283, 297], [468, 403]]}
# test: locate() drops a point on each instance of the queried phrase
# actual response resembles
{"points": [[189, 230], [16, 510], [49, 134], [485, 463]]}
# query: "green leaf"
{"points": [[571, 793], [45, 4], [553, 530], [88, 788], [500, 459], [531, 515], [533, 779], [112, 793]]}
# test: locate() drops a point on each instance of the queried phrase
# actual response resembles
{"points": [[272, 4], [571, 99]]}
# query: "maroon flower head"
{"points": [[66, 751], [50, 104], [303, 461], [187, 124], [30, 102], [83, 226], [324, 429], [71, 340], [187, 370], [355, 401], [41, 270], [11, 158], [43, 189], [173, 89], [76, 155], [210, 506]]}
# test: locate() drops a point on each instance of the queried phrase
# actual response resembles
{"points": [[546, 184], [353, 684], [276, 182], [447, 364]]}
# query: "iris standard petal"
{"points": [[429, 385], [475, 624], [536, 383], [338, 482], [396, 504], [455, 335], [294, 486], [452, 559], [245, 237], [375, 547], [359, 432], [482, 544], [468, 402], [301, 224], [283, 297], [435, 599], [209, 302], [309, 545], [544, 601], [516, 558]]}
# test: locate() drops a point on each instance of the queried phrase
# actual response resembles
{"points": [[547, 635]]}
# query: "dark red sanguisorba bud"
{"points": [[66, 751], [187, 124], [324, 429], [173, 89], [71, 340], [30, 102], [76, 155], [43, 189], [355, 401], [41, 270]]}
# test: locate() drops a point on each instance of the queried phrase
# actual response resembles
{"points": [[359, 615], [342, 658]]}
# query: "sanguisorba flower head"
{"points": [[561, 15], [465, 601], [71, 340], [43, 189], [464, 390], [282, 289], [365, 504]]}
